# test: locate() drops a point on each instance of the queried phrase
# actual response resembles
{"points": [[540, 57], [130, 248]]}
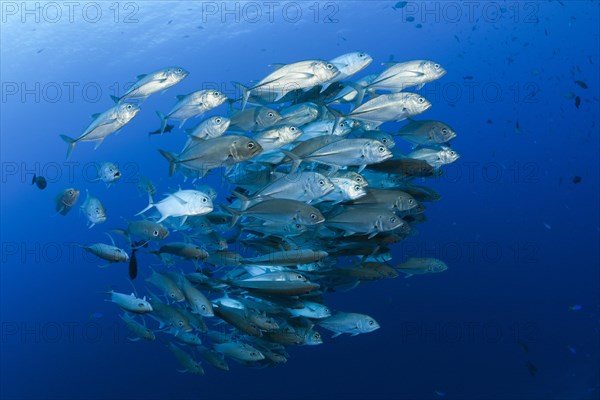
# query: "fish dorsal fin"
{"points": [[141, 76], [96, 115], [180, 96], [277, 66]]}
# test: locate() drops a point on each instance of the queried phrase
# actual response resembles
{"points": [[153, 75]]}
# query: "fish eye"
{"points": [[218, 120], [204, 199], [358, 179], [329, 66], [155, 233], [444, 131], [298, 226], [180, 323], [452, 153], [313, 216], [129, 106], [270, 115], [410, 201], [361, 54], [436, 66], [250, 145], [252, 353], [216, 93], [381, 149], [141, 305], [179, 70], [299, 276], [371, 322], [203, 308], [421, 100], [293, 129], [321, 182], [357, 187]]}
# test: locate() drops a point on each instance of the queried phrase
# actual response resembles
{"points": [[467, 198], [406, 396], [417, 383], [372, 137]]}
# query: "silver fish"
{"points": [[93, 210], [104, 124], [157, 81], [352, 323], [192, 105], [391, 107], [65, 200]]}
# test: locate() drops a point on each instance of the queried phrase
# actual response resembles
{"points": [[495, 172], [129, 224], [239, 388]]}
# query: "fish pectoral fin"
{"points": [[133, 339], [355, 333], [336, 334], [179, 199], [98, 143]]}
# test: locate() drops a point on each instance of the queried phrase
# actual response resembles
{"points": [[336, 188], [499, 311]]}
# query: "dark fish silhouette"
{"points": [[40, 181], [581, 84], [133, 269], [168, 128], [531, 368], [577, 101], [576, 179]]}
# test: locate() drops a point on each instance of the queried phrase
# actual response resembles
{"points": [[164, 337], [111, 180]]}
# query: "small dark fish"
{"points": [[199, 27], [524, 347], [576, 179], [510, 60], [133, 269], [169, 23], [40, 50], [418, 26], [546, 32], [40, 181], [489, 121], [457, 39], [168, 128], [582, 84], [531, 368], [410, 18], [577, 101], [400, 4]]}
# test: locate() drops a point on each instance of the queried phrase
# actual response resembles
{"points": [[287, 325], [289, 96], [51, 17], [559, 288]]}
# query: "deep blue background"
{"points": [[520, 238]]}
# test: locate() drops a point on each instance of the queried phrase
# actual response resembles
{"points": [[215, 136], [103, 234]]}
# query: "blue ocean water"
{"points": [[519, 233]]}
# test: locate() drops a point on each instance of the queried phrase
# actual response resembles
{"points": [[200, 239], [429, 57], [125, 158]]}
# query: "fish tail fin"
{"points": [[245, 200], [245, 93], [296, 161], [171, 158], [163, 121], [149, 206], [115, 99], [235, 214], [71, 142], [360, 90]]}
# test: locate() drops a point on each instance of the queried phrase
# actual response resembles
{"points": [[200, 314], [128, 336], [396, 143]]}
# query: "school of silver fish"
{"points": [[318, 193]]}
